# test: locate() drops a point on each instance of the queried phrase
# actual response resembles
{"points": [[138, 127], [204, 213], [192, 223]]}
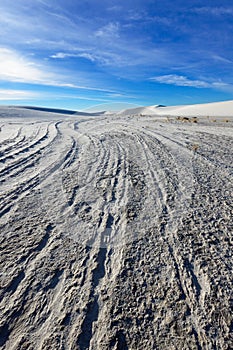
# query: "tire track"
{"points": [[166, 217], [110, 179], [26, 141], [137, 253], [21, 164], [24, 187]]}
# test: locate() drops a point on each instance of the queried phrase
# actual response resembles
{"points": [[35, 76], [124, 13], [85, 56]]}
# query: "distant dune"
{"points": [[34, 112], [216, 109]]}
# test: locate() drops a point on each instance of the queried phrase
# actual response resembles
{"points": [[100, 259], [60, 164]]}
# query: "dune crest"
{"points": [[215, 109]]}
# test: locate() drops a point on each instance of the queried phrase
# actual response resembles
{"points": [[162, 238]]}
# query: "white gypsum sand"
{"points": [[116, 229], [215, 109]]}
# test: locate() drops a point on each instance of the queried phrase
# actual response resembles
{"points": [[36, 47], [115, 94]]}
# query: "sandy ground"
{"points": [[116, 232]]}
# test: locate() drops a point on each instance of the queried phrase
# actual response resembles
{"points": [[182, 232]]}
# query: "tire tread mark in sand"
{"points": [[112, 188], [120, 184], [17, 164], [119, 341], [4, 152], [4, 334], [103, 158], [210, 160], [179, 280], [25, 161], [42, 244], [6, 328], [199, 347], [20, 144], [54, 280], [165, 218], [163, 232], [27, 185], [116, 179], [165, 212], [70, 156], [45, 239], [102, 163], [12, 196], [29, 147], [84, 264], [98, 165], [218, 165], [18, 279], [114, 175], [92, 312], [152, 169], [14, 283], [73, 195], [20, 171], [8, 141], [195, 282]]}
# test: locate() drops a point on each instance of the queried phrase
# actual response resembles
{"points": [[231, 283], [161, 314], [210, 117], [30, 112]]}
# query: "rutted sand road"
{"points": [[116, 232]]}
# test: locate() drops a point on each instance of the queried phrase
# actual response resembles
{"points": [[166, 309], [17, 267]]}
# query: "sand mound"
{"points": [[216, 109]]}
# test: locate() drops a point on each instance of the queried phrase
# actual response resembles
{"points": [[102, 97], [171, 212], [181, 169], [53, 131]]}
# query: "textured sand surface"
{"points": [[116, 232]]}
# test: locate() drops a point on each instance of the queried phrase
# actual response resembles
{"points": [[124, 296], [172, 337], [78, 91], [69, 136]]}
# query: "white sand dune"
{"points": [[116, 232], [216, 109]]}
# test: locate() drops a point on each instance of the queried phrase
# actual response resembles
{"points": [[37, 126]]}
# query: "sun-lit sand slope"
{"points": [[116, 230], [216, 109]]}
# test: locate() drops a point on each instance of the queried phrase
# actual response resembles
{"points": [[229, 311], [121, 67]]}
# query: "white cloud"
{"points": [[101, 56], [16, 95], [222, 59], [74, 86], [62, 55], [222, 85], [136, 16], [180, 80], [216, 11], [88, 56], [16, 68], [111, 30], [114, 8]]}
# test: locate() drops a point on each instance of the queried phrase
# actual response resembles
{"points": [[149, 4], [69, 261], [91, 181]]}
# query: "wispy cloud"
{"points": [[116, 44], [103, 44], [86, 55], [108, 48], [75, 86], [100, 56], [221, 59], [136, 15], [13, 95], [16, 68], [109, 31], [143, 17], [216, 11], [180, 80], [115, 8]]}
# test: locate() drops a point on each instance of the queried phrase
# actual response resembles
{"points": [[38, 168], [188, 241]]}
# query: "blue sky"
{"points": [[78, 54]]}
